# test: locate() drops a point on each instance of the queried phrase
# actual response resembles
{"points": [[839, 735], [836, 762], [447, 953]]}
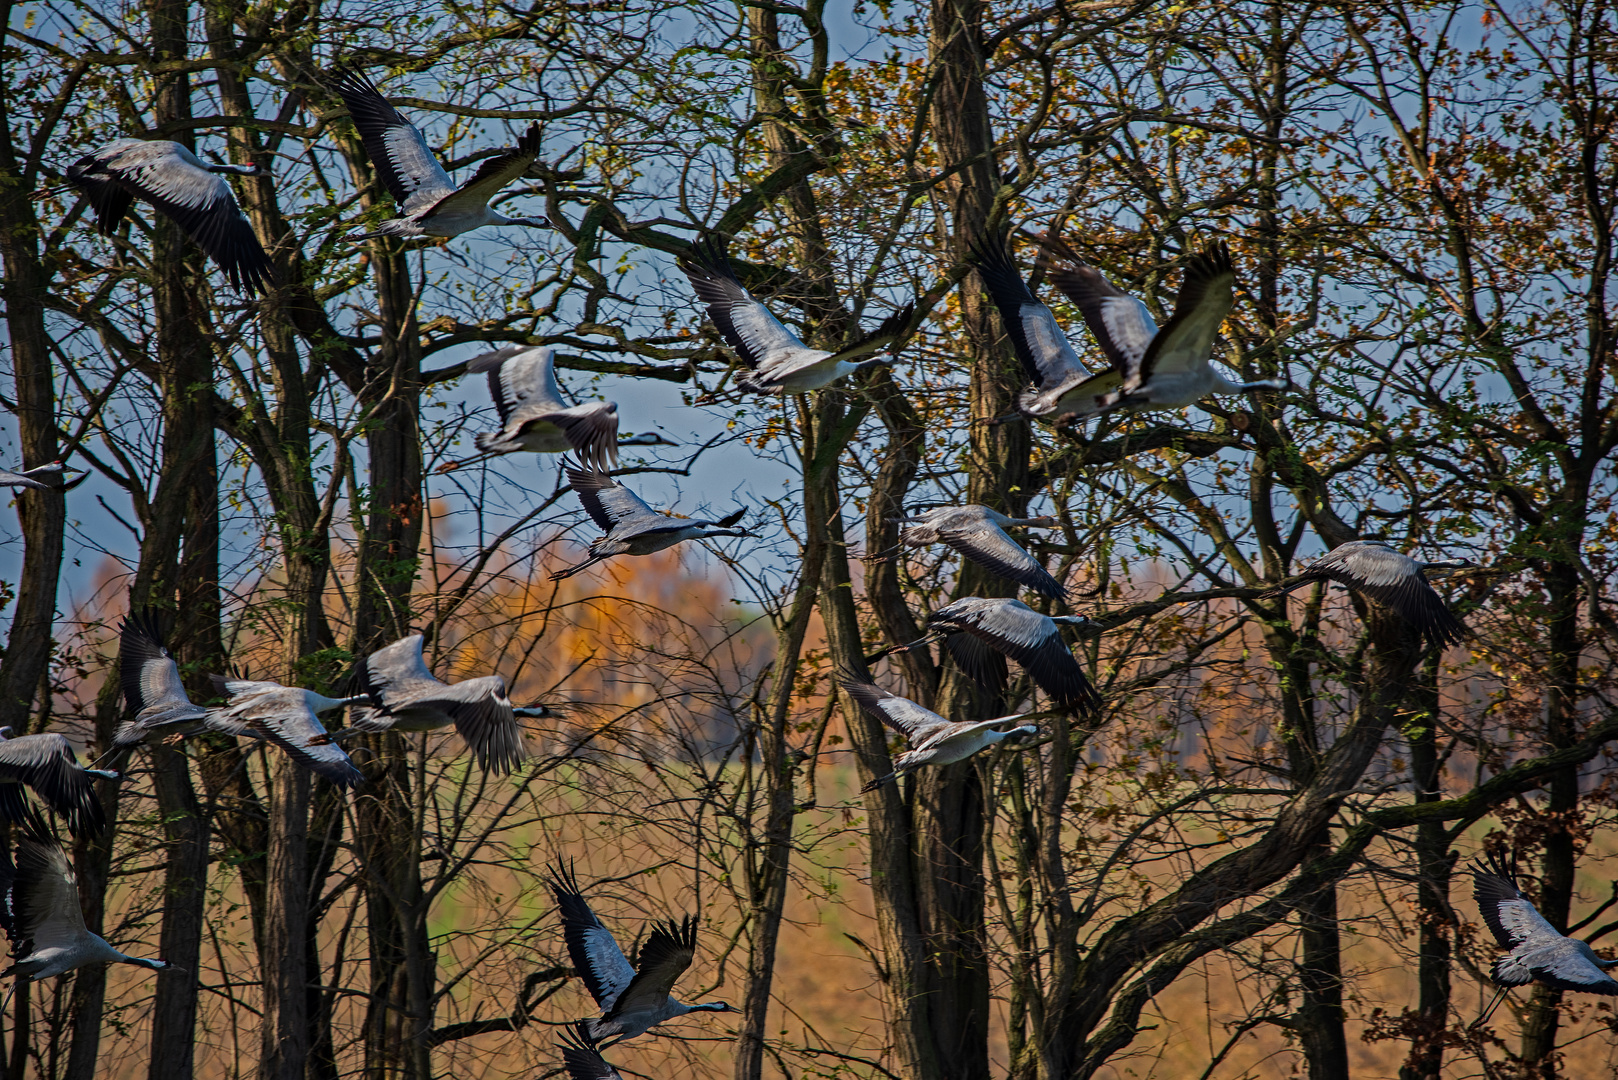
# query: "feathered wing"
{"points": [[668, 951], [522, 381], [1046, 354], [580, 1056], [1121, 324], [396, 669], [146, 670], [898, 713], [595, 954], [403, 162], [746, 325], [206, 209], [1394, 579], [489, 726], [978, 661], [1511, 918], [172, 180], [605, 500], [44, 896], [109, 199], [492, 177], [1206, 297], [47, 764], [989, 547], [281, 715]]}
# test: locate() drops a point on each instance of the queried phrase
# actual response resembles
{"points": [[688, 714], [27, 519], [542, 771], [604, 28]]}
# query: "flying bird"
{"points": [[1151, 368], [581, 1059], [412, 699], [152, 689], [633, 528], [183, 187], [780, 362], [47, 764], [933, 739], [46, 477], [432, 204], [40, 913], [979, 533], [286, 716], [980, 632], [1534, 950], [1375, 570], [533, 416], [632, 998]]}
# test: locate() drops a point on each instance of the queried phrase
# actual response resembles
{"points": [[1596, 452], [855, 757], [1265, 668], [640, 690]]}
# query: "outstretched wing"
{"points": [[1121, 324], [596, 956], [987, 545], [492, 177], [407, 168], [1046, 354], [668, 951], [171, 178], [746, 325], [899, 713], [605, 500], [1206, 297], [146, 670]]}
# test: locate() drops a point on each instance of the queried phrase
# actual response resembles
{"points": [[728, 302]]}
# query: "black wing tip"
{"points": [[708, 254], [348, 79]]}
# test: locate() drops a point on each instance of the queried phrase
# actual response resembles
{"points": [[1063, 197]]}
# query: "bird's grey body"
{"points": [[413, 699], [981, 631], [150, 679], [44, 477], [978, 533], [47, 764], [778, 360], [432, 204], [183, 187], [1152, 368], [287, 716], [1534, 950], [581, 1059], [632, 1001], [1375, 570], [633, 528], [934, 740], [40, 912], [533, 416]]}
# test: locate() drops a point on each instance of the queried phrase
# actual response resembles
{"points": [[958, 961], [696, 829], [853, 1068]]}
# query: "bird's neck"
{"points": [[155, 965]]}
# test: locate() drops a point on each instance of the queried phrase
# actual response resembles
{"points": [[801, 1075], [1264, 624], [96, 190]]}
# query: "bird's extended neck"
{"points": [[240, 170]]}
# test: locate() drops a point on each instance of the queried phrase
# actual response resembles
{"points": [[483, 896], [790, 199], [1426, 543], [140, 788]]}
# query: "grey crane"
{"points": [[286, 716], [152, 689], [40, 913], [412, 699], [45, 477], [533, 416], [980, 632], [934, 740], [1535, 951], [183, 187], [635, 998], [581, 1059], [779, 361], [1375, 570], [979, 533], [47, 764], [432, 204], [1151, 368], [633, 528]]}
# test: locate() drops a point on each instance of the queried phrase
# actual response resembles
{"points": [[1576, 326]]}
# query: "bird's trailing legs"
{"points": [[928, 640], [1494, 1003]]}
